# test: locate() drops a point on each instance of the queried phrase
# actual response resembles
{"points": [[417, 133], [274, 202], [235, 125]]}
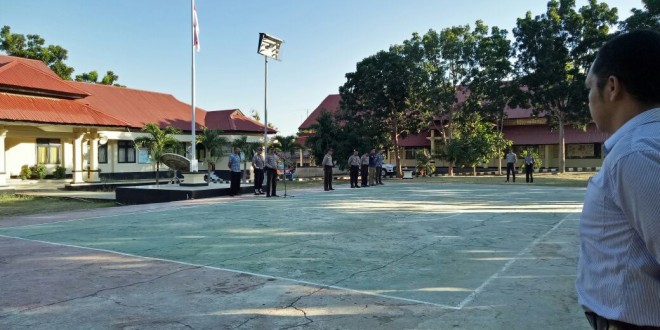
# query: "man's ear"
{"points": [[614, 88]]}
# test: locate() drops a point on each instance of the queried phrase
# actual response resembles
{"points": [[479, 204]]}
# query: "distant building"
{"points": [[89, 128], [583, 148]]}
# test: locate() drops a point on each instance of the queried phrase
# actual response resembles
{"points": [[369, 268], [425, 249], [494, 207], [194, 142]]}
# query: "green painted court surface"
{"points": [[453, 247]]}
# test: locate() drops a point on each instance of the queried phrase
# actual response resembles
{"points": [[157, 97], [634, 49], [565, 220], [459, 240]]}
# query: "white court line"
{"points": [[478, 290], [324, 286]]}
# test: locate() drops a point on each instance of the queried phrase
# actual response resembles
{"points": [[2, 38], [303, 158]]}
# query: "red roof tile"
{"points": [[234, 120], [542, 135], [27, 77], [331, 103], [57, 111], [139, 107]]}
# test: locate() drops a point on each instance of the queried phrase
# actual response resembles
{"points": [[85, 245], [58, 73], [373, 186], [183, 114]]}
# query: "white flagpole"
{"points": [[193, 152]]}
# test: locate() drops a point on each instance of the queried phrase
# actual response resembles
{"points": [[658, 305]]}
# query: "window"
{"points": [[144, 156], [585, 150], [411, 153], [49, 151], [103, 154], [125, 152]]}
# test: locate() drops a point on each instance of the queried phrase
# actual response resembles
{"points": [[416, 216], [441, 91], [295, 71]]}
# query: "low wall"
{"points": [[315, 172]]}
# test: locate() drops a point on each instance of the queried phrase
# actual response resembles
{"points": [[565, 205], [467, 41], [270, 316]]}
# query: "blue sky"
{"points": [[148, 42]]}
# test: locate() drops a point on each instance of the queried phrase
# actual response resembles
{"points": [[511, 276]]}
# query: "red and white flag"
{"points": [[195, 28]]}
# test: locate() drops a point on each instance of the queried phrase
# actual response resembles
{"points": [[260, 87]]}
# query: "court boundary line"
{"points": [[506, 266], [318, 285]]}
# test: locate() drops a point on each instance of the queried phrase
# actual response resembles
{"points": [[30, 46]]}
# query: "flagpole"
{"points": [[193, 152]]}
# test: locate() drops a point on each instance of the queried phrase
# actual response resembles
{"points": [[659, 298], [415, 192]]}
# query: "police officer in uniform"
{"points": [[354, 166], [327, 170]]}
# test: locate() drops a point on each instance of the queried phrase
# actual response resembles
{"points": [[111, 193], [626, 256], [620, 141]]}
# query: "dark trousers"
{"points": [[379, 174], [271, 181], [510, 169], [365, 175], [355, 169], [529, 172], [327, 177], [235, 184], [258, 179], [598, 322]]}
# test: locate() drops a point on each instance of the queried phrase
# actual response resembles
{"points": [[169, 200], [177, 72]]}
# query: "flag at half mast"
{"points": [[195, 28]]}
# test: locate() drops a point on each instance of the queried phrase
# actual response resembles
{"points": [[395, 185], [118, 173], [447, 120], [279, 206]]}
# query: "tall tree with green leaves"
{"points": [[475, 142], [324, 136], [33, 47], [554, 51], [214, 144], [158, 142], [446, 63], [490, 88], [646, 18], [382, 92]]}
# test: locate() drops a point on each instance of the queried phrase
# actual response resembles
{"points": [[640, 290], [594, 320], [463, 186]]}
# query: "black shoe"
{"points": [[331, 189], [326, 189], [275, 195], [352, 186], [357, 186]]}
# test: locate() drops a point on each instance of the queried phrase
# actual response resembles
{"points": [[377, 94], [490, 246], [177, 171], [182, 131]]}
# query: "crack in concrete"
{"points": [[102, 290]]}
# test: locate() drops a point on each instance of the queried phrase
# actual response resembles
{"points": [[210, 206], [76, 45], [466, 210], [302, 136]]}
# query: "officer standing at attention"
{"points": [[235, 167], [271, 173], [364, 161], [372, 167], [529, 167], [379, 167], [511, 165], [327, 170], [354, 166], [258, 165]]}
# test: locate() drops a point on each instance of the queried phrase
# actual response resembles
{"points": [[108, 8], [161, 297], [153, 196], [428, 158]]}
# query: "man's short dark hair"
{"points": [[634, 58]]}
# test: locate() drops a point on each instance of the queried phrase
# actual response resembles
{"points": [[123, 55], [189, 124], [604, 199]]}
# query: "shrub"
{"points": [[60, 172], [38, 171], [26, 173]]}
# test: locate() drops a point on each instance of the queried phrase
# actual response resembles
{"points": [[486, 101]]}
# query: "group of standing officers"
{"points": [[369, 167]]}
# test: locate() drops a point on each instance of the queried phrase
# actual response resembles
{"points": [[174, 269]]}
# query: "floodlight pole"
{"points": [[265, 104]]}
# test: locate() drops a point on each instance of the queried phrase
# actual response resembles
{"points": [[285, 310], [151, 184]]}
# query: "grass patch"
{"points": [[13, 205]]}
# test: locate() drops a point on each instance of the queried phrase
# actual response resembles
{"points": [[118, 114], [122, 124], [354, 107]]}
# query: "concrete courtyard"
{"points": [[406, 255]]}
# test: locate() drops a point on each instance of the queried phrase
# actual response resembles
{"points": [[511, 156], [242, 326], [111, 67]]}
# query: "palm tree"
{"points": [[287, 146], [159, 142], [248, 149], [214, 144]]}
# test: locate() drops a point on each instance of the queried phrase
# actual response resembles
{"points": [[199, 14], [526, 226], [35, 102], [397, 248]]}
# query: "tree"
{"points": [[255, 115], [287, 146], [158, 142], [32, 47], [475, 143], [490, 92], [325, 135], [214, 144], [447, 59], [644, 19], [554, 51], [381, 93], [424, 164]]}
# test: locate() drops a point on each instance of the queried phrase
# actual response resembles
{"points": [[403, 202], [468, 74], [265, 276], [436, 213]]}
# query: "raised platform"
{"points": [[171, 192]]}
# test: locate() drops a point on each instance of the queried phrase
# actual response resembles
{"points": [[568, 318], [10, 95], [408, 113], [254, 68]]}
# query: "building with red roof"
{"points": [[89, 128], [583, 148]]}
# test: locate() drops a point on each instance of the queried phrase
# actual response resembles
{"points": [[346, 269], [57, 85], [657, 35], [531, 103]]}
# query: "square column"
{"points": [[3, 162], [93, 171], [77, 157]]}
